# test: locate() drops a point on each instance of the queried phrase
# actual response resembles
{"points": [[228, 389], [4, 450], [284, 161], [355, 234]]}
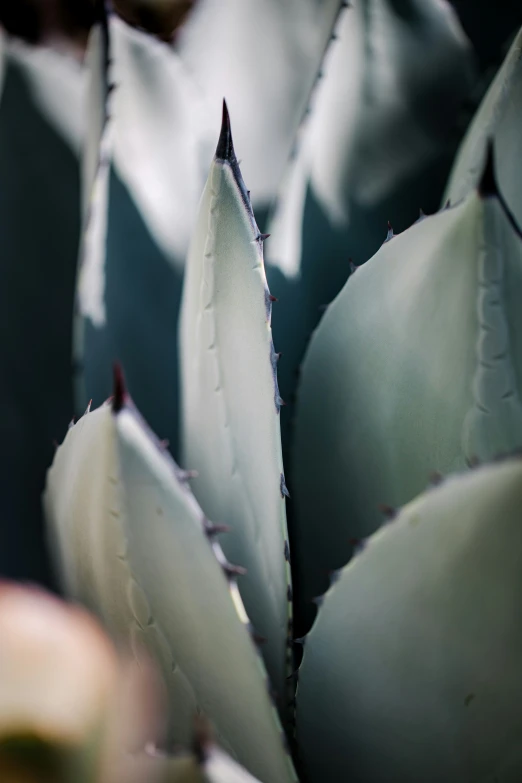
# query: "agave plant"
{"points": [[373, 635]]}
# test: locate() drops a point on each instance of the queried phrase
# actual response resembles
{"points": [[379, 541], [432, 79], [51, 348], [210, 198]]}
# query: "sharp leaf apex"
{"points": [[488, 184], [225, 147]]}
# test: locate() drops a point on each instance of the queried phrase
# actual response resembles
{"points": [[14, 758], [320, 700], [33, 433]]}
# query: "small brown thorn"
{"points": [[273, 298], [262, 237], [387, 511], [215, 530], [282, 487], [88, 408], [234, 570]]}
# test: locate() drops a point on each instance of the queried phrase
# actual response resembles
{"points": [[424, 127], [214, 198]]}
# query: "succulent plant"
{"points": [[376, 381], [365, 628]]}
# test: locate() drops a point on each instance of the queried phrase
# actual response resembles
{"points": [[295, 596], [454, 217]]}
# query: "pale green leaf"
{"points": [[134, 547], [230, 400], [415, 368], [412, 669]]}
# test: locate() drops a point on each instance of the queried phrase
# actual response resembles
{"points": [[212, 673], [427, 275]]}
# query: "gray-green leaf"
{"points": [[230, 400], [412, 670]]}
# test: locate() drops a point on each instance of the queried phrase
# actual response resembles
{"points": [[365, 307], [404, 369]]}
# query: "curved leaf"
{"points": [[498, 118], [415, 368], [378, 146], [412, 669], [153, 156], [231, 403], [39, 229], [134, 546], [264, 57]]}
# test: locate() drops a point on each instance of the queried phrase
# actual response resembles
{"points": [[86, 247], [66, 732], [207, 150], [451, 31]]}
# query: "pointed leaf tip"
{"points": [[225, 147], [120, 394], [487, 185]]}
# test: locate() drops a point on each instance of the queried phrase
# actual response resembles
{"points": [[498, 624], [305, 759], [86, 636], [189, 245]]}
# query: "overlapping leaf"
{"points": [[498, 118], [263, 55], [378, 146], [231, 403], [134, 546], [40, 132], [415, 368], [412, 669], [152, 159]]}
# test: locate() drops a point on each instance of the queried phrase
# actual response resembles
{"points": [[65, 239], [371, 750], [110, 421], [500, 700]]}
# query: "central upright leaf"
{"points": [[230, 399]]}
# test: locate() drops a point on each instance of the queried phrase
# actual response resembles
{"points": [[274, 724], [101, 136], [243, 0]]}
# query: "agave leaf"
{"points": [[412, 669], [97, 65], [40, 228], [148, 184], [92, 555], [230, 399], [414, 368], [163, 136], [498, 117], [264, 56], [134, 547], [378, 146]]}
